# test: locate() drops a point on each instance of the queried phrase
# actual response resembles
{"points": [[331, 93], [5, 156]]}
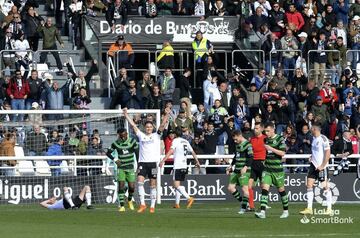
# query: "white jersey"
{"points": [[149, 151], [181, 149], [318, 147], [58, 205]]}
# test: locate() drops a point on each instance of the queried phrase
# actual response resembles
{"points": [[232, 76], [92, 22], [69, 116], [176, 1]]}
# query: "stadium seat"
{"points": [[26, 168], [42, 168]]}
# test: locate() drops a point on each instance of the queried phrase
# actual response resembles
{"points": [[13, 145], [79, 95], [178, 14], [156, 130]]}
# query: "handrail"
{"points": [[347, 54], [111, 69], [181, 56], [272, 51], [33, 62], [261, 60], [320, 51]]}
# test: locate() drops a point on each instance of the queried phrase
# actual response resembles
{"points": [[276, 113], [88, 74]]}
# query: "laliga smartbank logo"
{"points": [[321, 216]]}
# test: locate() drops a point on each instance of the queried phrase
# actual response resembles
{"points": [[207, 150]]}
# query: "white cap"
{"points": [[356, 18], [35, 105], [303, 34]]}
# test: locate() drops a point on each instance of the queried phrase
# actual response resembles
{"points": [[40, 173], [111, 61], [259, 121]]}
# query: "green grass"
{"points": [[203, 220]]}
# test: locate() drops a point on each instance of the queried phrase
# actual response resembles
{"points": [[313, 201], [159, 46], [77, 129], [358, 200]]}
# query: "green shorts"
{"points": [[238, 179], [276, 179], [126, 175]]}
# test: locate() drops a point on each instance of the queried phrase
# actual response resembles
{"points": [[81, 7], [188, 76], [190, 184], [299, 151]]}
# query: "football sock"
{"points": [[88, 198], [328, 196], [153, 197], [264, 199], [251, 198], [244, 202], [237, 195], [177, 197], [121, 197], [141, 193], [310, 197], [69, 199], [130, 194], [284, 200], [182, 191]]}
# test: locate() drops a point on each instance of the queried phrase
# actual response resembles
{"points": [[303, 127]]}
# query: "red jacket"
{"points": [[326, 95], [296, 18], [167, 143], [259, 150], [14, 90]]}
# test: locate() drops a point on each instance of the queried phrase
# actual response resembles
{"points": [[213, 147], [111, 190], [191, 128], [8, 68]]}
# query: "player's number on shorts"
{"points": [[186, 150]]}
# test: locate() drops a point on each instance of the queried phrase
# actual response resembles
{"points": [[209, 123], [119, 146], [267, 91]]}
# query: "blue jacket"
{"points": [[54, 149], [342, 12]]}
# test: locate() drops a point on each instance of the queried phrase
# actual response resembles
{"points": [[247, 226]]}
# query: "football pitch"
{"points": [[201, 221]]}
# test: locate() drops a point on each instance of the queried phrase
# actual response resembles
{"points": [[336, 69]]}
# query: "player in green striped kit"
{"points": [[273, 170], [241, 173], [126, 149]]}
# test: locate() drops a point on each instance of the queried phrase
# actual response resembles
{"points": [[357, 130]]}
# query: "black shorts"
{"points": [[179, 174], [77, 202], [257, 167], [321, 176], [147, 170]]}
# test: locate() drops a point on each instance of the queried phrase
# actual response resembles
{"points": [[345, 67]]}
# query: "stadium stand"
{"points": [[292, 64]]}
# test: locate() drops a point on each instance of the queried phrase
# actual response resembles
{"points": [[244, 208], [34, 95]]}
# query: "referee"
{"points": [[257, 167]]}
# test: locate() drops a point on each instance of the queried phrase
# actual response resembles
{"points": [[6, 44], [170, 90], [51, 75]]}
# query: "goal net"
{"points": [[42, 166]]}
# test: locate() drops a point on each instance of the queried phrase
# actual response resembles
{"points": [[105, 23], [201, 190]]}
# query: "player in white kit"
{"points": [[67, 202], [320, 155], [180, 148], [149, 157]]}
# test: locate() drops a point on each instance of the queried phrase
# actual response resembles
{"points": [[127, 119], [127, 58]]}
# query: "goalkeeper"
{"points": [[127, 149]]}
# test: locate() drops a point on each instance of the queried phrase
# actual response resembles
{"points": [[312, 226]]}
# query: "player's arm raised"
{"points": [[165, 120], [131, 122], [167, 156]]}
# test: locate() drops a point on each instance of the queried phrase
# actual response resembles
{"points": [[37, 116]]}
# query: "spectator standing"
{"points": [[253, 99], [18, 91], [183, 121], [264, 5], [341, 9], [280, 80], [354, 31], [76, 10], [7, 148], [7, 42], [167, 84], [121, 83], [116, 14], [134, 8], [199, 118], [277, 20], [32, 21], [184, 83], [321, 113], [305, 140], [154, 100], [55, 150], [35, 142], [21, 54], [55, 98], [258, 19], [290, 43], [329, 16], [35, 88], [270, 48], [95, 148], [50, 34], [260, 80], [319, 57], [145, 85], [82, 100], [329, 96], [150, 9], [80, 79], [132, 98], [166, 57], [354, 9], [304, 46], [122, 52], [337, 60], [201, 47], [294, 19]]}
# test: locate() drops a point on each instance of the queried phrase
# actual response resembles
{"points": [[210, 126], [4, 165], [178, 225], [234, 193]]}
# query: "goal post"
{"points": [[34, 173]]}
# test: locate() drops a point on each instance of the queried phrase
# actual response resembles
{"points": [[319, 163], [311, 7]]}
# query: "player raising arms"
{"points": [[67, 202], [320, 155], [149, 156], [273, 170], [180, 148], [126, 149], [241, 173]]}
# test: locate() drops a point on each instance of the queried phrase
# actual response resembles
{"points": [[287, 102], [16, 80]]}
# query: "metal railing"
{"points": [[298, 51], [113, 66], [180, 53], [32, 61], [261, 58]]}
